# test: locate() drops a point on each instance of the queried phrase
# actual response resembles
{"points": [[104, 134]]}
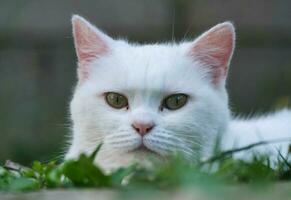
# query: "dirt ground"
{"points": [[266, 192]]}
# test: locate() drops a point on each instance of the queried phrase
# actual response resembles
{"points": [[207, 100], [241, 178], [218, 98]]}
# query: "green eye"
{"points": [[175, 101], [116, 100]]}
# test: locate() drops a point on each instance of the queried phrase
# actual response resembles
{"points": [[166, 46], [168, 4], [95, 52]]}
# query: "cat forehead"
{"points": [[147, 57], [147, 67]]}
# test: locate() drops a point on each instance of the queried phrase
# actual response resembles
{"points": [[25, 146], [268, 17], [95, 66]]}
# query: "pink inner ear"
{"points": [[214, 49], [89, 45]]}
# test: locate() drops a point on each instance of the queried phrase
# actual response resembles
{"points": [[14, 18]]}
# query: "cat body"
{"points": [[147, 77], [273, 127]]}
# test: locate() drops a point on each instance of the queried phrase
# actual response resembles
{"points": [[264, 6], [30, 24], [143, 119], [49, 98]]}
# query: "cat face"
{"points": [[148, 99]]}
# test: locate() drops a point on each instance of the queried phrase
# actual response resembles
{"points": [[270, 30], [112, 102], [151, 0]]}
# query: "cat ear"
{"points": [[90, 44], [214, 49]]}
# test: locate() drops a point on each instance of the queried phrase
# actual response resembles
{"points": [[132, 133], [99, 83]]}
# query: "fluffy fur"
{"points": [[145, 74]]}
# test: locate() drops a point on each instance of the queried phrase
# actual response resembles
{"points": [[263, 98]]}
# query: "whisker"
{"points": [[173, 24], [169, 145]]}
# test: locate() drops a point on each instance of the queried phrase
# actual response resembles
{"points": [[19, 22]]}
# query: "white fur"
{"points": [[271, 127], [145, 74]]}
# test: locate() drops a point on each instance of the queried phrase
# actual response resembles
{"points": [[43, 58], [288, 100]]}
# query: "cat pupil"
{"points": [[116, 100]]}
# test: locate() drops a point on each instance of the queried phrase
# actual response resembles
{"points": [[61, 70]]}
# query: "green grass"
{"points": [[222, 169]]}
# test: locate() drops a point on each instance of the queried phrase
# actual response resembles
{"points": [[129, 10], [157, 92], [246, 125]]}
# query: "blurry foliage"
{"points": [[175, 173]]}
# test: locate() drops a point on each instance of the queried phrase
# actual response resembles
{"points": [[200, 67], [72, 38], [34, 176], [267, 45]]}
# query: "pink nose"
{"points": [[143, 128]]}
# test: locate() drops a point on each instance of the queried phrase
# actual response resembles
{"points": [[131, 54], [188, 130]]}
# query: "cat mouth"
{"points": [[144, 149]]}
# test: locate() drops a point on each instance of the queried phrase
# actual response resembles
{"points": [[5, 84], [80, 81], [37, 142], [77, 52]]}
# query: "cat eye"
{"points": [[116, 100], [175, 101]]}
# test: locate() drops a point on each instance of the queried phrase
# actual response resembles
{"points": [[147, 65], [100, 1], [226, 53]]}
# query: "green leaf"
{"points": [[118, 176], [23, 184], [3, 172], [93, 155], [83, 172]]}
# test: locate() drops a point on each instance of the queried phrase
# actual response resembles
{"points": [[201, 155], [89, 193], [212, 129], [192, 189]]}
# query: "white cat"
{"points": [[159, 98]]}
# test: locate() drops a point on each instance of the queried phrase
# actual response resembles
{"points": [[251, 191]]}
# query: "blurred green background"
{"points": [[38, 62]]}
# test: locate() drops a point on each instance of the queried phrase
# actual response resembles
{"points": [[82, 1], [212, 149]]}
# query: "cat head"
{"points": [[148, 99]]}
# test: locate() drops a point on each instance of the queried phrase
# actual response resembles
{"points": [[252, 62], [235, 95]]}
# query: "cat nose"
{"points": [[143, 128]]}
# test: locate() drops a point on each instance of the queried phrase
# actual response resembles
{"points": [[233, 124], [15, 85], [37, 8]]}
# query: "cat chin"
{"points": [[142, 157]]}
